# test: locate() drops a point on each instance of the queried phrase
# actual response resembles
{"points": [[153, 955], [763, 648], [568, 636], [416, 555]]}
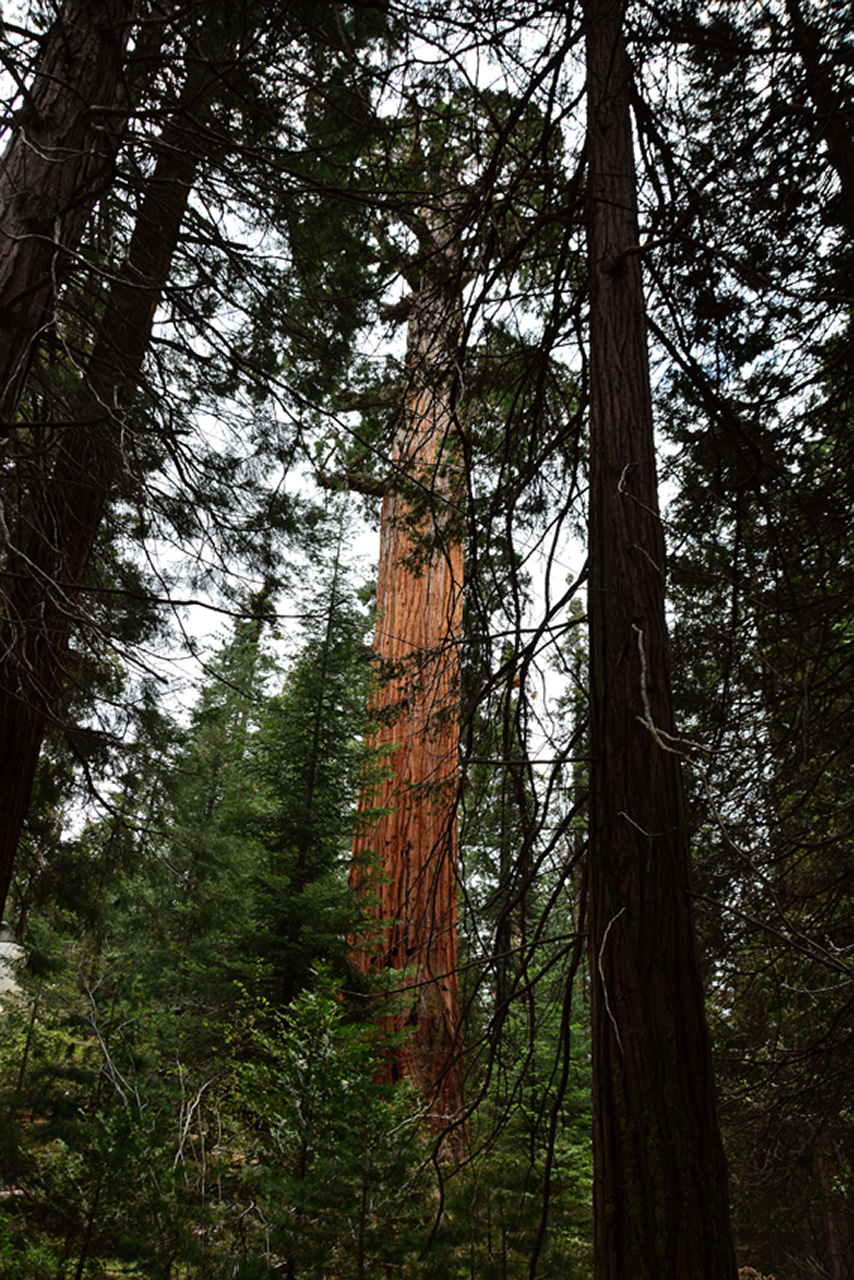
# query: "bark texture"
{"points": [[660, 1185], [42, 596], [57, 161], [836, 1209], [835, 117], [419, 623]]}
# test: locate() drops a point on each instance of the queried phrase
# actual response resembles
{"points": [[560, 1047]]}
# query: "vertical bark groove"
{"points": [[660, 1187], [419, 623], [55, 164]]}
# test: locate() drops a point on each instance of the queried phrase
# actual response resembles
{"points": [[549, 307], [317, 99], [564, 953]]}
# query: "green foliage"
{"points": [[126, 1152], [761, 595], [334, 1160], [187, 1092], [523, 1206], [305, 764]]}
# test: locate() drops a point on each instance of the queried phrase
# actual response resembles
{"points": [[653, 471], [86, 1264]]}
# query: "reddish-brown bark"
{"points": [[660, 1185], [419, 621], [54, 167], [41, 603]]}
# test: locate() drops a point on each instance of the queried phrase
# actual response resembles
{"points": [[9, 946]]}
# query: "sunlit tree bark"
{"points": [[419, 621], [660, 1190]]}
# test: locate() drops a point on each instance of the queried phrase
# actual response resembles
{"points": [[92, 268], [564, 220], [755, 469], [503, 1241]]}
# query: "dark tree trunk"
{"points": [[419, 623], [835, 118], [660, 1185], [42, 599], [835, 1209], [55, 165]]}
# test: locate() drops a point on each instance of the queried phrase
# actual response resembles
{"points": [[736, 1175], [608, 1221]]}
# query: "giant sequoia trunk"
{"points": [[56, 163], [45, 577], [660, 1185], [419, 619]]}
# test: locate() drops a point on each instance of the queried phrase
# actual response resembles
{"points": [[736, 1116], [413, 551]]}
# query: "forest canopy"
{"points": [[480, 903]]}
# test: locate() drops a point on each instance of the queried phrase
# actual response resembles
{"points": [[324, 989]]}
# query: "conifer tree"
{"points": [[661, 1201], [474, 156], [48, 572], [418, 631], [305, 762], [67, 475], [754, 400]]}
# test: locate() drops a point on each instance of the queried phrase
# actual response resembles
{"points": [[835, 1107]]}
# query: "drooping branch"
{"points": [[41, 605]]}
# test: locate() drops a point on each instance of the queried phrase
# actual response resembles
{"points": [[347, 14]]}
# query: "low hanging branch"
{"points": [[41, 605]]}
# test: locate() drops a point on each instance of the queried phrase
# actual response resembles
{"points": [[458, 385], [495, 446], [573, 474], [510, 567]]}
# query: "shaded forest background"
{"points": [[331, 954]]}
